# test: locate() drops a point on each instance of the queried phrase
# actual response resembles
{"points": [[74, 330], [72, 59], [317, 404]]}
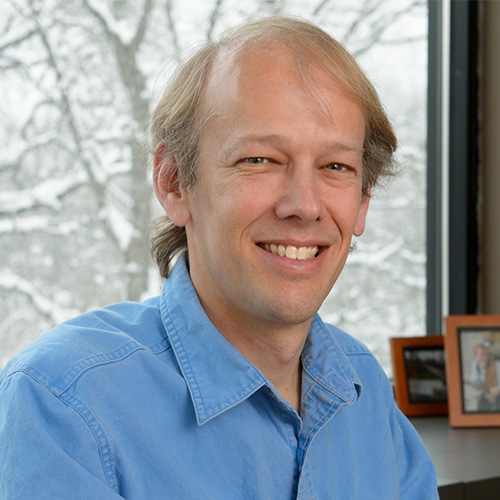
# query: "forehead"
{"points": [[267, 71]]}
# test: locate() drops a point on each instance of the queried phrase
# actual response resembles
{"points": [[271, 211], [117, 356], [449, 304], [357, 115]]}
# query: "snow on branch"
{"points": [[16, 40], [320, 7], [173, 30], [13, 154], [114, 28], [11, 282], [119, 30], [122, 229], [40, 223], [377, 256], [46, 194], [380, 24], [213, 19]]}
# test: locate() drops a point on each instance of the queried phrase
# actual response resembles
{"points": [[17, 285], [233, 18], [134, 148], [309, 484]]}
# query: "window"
{"points": [[78, 83]]}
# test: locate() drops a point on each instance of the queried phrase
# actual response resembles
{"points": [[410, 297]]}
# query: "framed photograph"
{"points": [[419, 375], [473, 370]]}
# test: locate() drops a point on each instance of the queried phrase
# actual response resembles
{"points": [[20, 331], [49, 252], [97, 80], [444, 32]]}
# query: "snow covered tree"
{"points": [[79, 80]]}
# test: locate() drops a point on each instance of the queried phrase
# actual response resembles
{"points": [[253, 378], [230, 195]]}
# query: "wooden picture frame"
{"points": [[419, 375], [472, 345]]}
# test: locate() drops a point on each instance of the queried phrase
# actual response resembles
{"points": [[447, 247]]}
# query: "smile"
{"points": [[291, 251]]}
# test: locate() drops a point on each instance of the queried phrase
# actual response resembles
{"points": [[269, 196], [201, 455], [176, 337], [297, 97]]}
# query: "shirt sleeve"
{"points": [[48, 449], [417, 476], [416, 472]]}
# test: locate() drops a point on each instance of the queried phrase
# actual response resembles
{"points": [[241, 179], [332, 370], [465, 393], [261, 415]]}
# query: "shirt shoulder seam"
{"points": [[348, 351], [97, 360], [86, 415]]}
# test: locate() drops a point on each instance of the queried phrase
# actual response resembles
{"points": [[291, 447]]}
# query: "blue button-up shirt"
{"points": [[148, 401]]}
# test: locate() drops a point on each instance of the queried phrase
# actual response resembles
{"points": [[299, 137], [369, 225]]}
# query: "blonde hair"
{"points": [[179, 117]]}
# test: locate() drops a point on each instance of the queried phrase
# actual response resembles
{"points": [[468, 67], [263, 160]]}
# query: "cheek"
{"points": [[345, 210], [220, 215], [246, 198]]}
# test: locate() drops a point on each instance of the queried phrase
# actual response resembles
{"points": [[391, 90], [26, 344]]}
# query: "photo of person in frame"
{"points": [[480, 353], [485, 377]]}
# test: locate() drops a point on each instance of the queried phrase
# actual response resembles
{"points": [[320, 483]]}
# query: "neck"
{"points": [[279, 360]]}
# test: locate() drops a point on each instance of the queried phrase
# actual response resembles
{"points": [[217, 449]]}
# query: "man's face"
{"points": [[277, 175]]}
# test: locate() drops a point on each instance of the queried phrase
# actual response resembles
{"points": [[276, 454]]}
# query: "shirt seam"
{"points": [[356, 353], [103, 359], [86, 415], [212, 411], [314, 431], [333, 410]]}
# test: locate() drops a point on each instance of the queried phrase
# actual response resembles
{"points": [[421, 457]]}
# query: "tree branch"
{"points": [[367, 12], [142, 26], [213, 19], [320, 7], [173, 31], [49, 309], [38, 224], [133, 45], [380, 25], [98, 188], [17, 40]]}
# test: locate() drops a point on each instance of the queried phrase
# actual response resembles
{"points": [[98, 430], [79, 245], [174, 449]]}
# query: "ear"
{"points": [[363, 210], [173, 199]]}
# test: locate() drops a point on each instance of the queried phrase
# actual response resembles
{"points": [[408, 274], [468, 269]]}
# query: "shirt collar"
{"points": [[217, 375], [325, 361]]}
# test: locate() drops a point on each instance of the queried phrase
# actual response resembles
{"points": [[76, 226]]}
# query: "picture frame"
{"points": [[419, 375], [472, 344]]}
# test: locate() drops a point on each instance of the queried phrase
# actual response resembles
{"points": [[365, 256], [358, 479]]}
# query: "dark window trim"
{"points": [[434, 185], [458, 293]]}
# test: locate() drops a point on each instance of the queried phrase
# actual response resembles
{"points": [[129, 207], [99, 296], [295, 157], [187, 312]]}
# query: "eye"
{"points": [[256, 160], [337, 166]]}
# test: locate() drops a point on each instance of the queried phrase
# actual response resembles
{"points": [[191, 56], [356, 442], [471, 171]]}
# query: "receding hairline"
{"points": [[315, 63], [227, 60], [305, 43]]}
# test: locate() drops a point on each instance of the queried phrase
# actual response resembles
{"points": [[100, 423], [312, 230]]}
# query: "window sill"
{"points": [[467, 460]]}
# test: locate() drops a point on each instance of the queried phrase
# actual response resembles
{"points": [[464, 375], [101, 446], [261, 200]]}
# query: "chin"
{"points": [[293, 314]]}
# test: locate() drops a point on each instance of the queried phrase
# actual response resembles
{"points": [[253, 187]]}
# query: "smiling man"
{"points": [[229, 385]]}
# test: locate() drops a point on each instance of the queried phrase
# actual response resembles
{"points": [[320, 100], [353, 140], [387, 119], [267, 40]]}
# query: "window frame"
{"points": [[453, 161]]}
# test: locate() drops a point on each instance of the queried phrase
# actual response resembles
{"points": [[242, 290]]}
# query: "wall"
{"points": [[490, 259]]}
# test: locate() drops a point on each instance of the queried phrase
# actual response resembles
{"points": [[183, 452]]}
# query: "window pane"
{"points": [[78, 83]]}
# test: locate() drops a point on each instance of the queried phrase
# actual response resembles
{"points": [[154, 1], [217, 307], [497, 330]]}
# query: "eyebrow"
{"points": [[276, 139]]}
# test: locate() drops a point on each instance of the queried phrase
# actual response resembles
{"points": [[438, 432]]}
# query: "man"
{"points": [[228, 385]]}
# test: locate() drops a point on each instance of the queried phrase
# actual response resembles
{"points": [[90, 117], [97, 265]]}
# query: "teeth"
{"points": [[291, 251]]}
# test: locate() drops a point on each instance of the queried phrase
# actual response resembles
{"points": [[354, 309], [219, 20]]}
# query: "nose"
{"points": [[301, 195]]}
